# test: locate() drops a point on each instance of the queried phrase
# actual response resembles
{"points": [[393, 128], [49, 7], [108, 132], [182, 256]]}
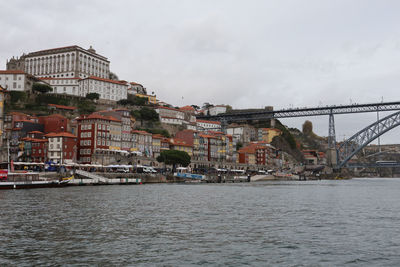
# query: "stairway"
{"points": [[95, 177]]}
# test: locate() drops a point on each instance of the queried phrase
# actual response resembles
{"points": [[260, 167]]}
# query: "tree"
{"points": [[307, 128], [92, 96], [174, 157], [196, 107], [41, 88], [86, 107], [113, 76]]}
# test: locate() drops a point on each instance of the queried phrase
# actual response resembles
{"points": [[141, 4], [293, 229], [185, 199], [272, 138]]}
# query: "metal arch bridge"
{"points": [[358, 141], [348, 148], [303, 112]]}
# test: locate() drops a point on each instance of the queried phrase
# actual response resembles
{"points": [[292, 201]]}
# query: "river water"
{"points": [[320, 223]]}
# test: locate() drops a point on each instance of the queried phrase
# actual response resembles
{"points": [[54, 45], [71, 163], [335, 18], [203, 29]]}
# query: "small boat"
{"points": [[27, 180]]}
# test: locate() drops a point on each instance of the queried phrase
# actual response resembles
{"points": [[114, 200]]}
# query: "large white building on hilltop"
{"points": [[63, 62]]}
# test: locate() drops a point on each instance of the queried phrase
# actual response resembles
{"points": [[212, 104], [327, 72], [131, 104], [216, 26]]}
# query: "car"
{"points": [[122, 170]]}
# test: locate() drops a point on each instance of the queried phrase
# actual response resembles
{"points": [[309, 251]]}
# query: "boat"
{"points": [[25, 180]]}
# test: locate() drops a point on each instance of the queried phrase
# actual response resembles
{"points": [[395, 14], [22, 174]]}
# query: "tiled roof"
{"points": [[35, 132], [174, 109], [140, 132], [51, 78], [61, 134], [95, 116], [205, 121], [187, 108], [105, 80], [12, 72], [62, 107]]}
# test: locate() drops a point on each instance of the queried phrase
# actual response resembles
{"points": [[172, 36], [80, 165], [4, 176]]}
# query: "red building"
{"points": [[95, 133], [62, 147], [39, 150], [54, 123]]}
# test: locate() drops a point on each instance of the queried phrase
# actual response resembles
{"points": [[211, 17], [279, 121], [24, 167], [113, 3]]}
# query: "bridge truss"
{"points": [[358, 141]]}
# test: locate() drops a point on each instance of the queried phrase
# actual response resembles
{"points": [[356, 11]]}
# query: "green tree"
{"points": [[16, 96], [41, 88], [307, 128], [86, 107], [113, 76], [174, 157], [92, 96], [148, 114]]}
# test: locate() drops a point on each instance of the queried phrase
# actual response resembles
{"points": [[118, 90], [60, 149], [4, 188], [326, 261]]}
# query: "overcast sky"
{"points": [[242, 53]]}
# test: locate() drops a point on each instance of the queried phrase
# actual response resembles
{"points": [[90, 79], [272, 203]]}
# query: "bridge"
{"points": [[339, 155]]}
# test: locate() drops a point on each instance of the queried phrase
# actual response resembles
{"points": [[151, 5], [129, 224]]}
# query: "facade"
{"points": [[107, 89], [243, 133], [54, 123], [136, 88], [267, 134], [16, 80], [181, 145], [152, 99], [124, 116], [63, 62], [97, 133], [204, 125], [62, 147], [68, 86], [142, 142], [170, 115], [218, 109]]}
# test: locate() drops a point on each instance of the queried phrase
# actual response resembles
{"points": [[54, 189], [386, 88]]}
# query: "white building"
{"points": [[15, 80], [106, 88], [63, 62], [170, 113], [69, 86], [203, 125], [215, 110]]}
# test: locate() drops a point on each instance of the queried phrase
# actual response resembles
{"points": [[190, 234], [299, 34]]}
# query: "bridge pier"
{"points": [[332, 157]]}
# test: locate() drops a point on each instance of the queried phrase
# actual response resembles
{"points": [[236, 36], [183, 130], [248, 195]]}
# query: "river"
{"points": [[300, 223]]}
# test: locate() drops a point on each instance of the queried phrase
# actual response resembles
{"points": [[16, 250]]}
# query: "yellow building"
{"points": [[267, 134], [150, 98]]}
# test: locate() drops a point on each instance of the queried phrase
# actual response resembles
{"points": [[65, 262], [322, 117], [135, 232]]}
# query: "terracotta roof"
{"points": [[174, 109], [51, 78], [187, 108], [34, 132], [179, 142], [12, 72], [214, 122], [61, 134], [133, 83], [105, 80], [62, 107], [158, 136], [140, 132], [95, 116]]}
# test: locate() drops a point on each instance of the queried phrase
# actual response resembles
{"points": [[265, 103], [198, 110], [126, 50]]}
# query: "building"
{"points": [[142, 141], [136, 88], [63, 62], [2, 98], [243, 133], [17, 80], [124, 116], [152, 99], [62, 147], [204, 125], [180, 145], [170, 115], [267, 134], [97, 133], [54, 123], [68, 86], [107, 89], [218, 109]]}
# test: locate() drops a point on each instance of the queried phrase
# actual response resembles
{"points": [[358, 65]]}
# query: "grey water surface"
{"points": [[307, 223]]}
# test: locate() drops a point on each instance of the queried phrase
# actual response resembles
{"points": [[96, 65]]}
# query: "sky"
{"points": [[248, 54]]}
